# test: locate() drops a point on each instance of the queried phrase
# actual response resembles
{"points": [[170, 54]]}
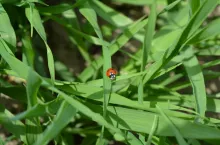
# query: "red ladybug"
{"points": [[111, 73]]}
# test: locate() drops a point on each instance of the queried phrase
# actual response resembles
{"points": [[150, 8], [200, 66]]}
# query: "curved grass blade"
{"points": [[197, 19], [63, 117], [153, 129], [177, 133], [195, 75], [207, 32], [6, 30], [33, 17], [119, 42]]}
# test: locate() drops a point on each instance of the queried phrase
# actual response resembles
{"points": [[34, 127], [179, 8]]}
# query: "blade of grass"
{"points": [[34, 18], [114, 47], [63, 117], [28, 51], [207, 32], [90, 15], [195, 75], [57, 9], [194, 5], [22, 70], [153, 129], [177, 133], [33, 125], [6, 30], [197, 19], [149, 32], [110, 15]]}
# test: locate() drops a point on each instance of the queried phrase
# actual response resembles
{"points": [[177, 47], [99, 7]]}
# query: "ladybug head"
{"points": [[112, 76]]}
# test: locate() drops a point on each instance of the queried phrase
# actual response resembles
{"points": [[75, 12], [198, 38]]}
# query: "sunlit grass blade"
{"points": [[148, 37], [195, 75], [90, 15], [207, 32], [119, 42], [104, 11], [191, 27], [34, 18]]}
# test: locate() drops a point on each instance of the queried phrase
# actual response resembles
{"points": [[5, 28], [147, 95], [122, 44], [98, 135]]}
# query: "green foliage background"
{"points": [[159, 96]]}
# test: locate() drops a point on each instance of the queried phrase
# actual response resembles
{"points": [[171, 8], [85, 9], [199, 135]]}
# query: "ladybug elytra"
{"points": [[111, 73]]}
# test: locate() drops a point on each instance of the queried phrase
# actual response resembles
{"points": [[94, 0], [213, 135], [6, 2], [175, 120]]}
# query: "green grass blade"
{"points": [[177, 133], [207, 32], [89, 38], [119, 42], [194, 5], [57, 9], [33, 85], [64, 115], [28, 51], [195, 75], [71, 16], [14, 63], [122, 118], [138, 2], [153, 129], [15, 127], [50, 62], [149, 32], [90, 15], [33, 17], [191, 27], [6, 30], [110, 15]]}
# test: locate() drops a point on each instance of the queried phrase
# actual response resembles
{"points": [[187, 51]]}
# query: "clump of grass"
{"points": [[146, 104]]}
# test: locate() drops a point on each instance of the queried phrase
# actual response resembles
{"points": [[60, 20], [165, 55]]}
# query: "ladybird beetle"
{"points": [[111, 73]]}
